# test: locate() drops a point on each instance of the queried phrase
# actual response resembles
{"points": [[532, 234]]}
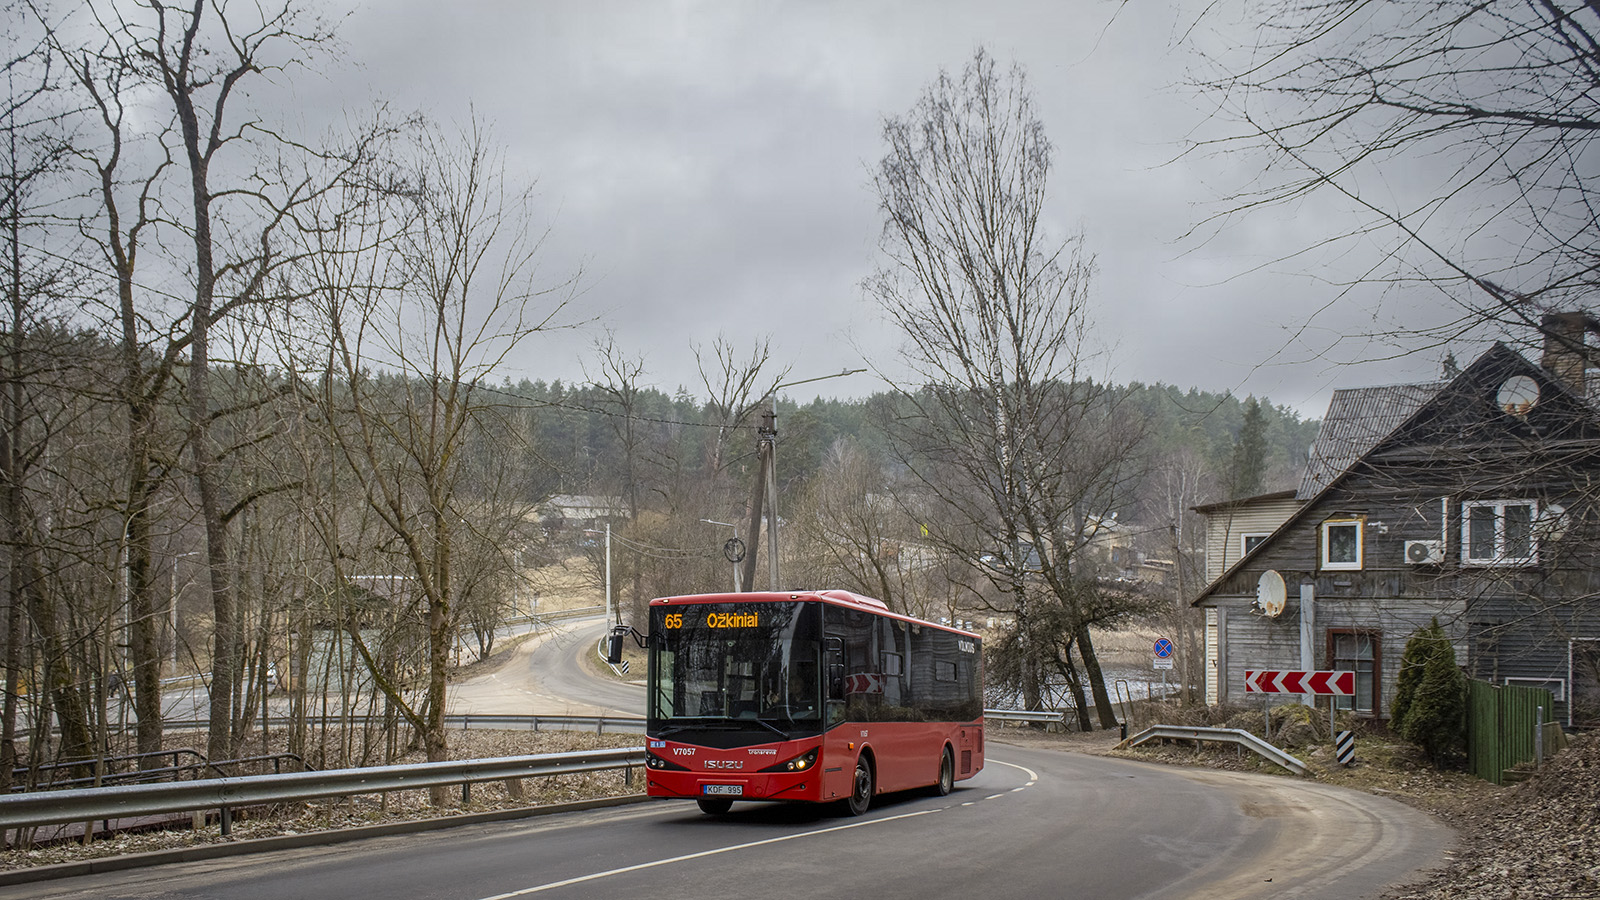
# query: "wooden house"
{"points": [[1471, 501]]}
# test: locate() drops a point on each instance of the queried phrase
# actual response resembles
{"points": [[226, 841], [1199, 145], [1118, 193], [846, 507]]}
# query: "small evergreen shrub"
{"points": [[1430, 707]]}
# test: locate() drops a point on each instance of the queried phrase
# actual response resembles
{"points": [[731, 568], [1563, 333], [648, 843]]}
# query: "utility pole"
{"points": [[766, 486], [763, 453], [768, 436]]}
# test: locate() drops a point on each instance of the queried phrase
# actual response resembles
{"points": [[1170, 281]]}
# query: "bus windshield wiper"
{"points": [[710, 723], [773, 728]]}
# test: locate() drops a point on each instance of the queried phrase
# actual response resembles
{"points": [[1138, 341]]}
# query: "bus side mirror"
{"points": [[614, 642]]}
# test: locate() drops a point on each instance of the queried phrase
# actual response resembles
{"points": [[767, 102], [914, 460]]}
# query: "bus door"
{"points": [[839, 758]]}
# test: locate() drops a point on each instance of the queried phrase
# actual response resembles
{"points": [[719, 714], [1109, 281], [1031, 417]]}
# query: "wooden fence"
{"points": [[1501, 720]]}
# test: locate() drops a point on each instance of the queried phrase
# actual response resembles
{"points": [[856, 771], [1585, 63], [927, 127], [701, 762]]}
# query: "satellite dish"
{"points": [[1517, 395], [1271, 595]]}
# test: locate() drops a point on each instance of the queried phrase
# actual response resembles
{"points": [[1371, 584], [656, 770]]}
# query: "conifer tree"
{"points": [[1430, 708]]}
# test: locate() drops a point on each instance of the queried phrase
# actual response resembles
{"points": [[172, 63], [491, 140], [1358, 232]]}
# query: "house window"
{"points": [[1249, 542], [1498, 532], [1341, 544], [1358, 651], [1556, 686]]}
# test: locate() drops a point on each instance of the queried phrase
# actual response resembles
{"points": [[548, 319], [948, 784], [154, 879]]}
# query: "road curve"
{"points": [[546, 675], [1035, 823]]}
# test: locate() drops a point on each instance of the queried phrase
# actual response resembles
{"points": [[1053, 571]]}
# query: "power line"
{"points": [[605, 412]]}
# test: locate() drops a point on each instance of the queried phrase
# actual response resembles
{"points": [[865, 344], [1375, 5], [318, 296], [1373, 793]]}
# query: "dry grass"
{"points": [[567, 584]]}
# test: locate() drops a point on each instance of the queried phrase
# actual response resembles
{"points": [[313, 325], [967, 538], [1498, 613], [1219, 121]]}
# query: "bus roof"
{"points": [[835, 598]]}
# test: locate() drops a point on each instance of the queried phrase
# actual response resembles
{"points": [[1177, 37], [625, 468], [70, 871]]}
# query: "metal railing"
{"points": [[597, 724], [226, 794], [1234, 736], [174, 772], [1025, 715]]}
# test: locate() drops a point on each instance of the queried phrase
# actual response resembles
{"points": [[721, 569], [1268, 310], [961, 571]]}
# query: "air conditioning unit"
{"points": [[1421, 553]]}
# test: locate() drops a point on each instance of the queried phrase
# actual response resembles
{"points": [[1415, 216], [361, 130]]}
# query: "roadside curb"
{"points": [[296, 841]]}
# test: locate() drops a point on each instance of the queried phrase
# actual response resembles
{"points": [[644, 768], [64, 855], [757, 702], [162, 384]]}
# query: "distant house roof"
{"points": [[1357, 419], [583, 506], [1218, 506]]}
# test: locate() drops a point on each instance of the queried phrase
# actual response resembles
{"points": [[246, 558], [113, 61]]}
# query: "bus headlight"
{"points": [[800, 763], [655, 762]]}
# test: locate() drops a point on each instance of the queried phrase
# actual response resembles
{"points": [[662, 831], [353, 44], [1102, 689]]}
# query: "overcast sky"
{"points": [[708, 166]]}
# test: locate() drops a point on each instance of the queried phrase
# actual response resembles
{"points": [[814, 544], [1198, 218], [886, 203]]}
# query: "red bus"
{"points": [[814, 696]]}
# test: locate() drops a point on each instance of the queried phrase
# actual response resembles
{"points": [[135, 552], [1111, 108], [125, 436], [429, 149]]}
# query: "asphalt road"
{"points": [[1035, 823], [547, 675]]}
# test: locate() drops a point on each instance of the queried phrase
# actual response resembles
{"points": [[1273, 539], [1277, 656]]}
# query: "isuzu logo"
{"points": [[724, 763]]}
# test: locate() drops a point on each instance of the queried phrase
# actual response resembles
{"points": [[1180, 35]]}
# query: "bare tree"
{"points": [[738, 388], [850, 532], [185, 171], [29, 283], [1456, 132], [420, 306], [1005, 427]]}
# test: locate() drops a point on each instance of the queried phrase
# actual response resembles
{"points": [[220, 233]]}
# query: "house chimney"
{"points": [[1565, 355]]}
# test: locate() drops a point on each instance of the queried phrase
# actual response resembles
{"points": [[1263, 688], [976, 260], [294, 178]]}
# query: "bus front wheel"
{"points": [[714, 806], [861, 789]]}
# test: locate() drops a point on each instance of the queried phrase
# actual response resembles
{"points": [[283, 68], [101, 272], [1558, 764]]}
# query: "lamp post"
{"points": [[174, 604], [736, 583], [609, 617]]}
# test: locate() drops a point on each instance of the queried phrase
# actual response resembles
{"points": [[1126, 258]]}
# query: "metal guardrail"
{"points": [[133, 800], [579, 613], [597, 724], [1236, 736], [1025, 715]]}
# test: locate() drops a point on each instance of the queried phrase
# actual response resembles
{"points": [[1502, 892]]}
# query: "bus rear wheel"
{"points": [[947, 774], [714, 806], [861, 789]]}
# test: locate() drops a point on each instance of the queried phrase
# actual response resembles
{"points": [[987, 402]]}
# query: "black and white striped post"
{"points": [[1344, 747]]}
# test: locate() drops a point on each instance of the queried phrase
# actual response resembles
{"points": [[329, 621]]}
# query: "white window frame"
{"points": [[1244, 541], [1499, 558], [1342, 566], [1556, 686]]}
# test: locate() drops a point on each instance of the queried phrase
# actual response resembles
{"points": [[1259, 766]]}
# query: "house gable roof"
{"points": [[1464, 407], [1357, 419]]}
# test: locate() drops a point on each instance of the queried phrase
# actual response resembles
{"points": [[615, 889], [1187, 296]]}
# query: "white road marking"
{"points": [[1033, 778], [704, 853]]}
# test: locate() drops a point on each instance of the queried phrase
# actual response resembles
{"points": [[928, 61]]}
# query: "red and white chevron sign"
{"points": [[1272, 681]]}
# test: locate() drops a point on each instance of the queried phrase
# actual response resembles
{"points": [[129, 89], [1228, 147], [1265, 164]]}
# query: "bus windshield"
{"points": [[747, 667]]}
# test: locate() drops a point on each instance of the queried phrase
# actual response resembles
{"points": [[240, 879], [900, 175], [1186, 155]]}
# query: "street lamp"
{"points": [[736, 582], [609, 617], [174, 605]]}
